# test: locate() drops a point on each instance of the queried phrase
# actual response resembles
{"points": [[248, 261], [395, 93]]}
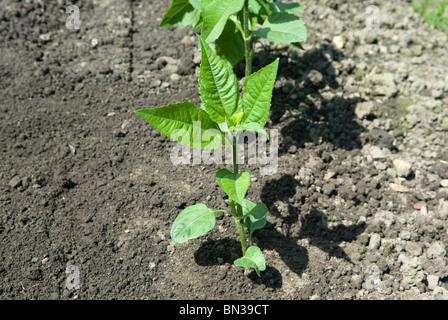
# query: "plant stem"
{"points": [[239, 209], [248, 49]]}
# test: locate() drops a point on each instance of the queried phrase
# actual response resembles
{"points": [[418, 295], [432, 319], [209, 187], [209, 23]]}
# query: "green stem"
{"points": [[248, 48], [239, 210]]}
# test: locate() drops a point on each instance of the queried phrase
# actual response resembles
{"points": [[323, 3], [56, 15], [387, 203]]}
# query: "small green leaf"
{"points": [[287, 7], [253, 258], [234, 185], [215, 14], [254, 216], [181, 12], [218, 85], [257, 94], [230, 44], [184, 122], [283, 27], [236, 118], [193, 222]]}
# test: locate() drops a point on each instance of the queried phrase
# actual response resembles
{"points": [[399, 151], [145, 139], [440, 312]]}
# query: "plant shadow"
{"points": [[226, 251], [304, 100], [283, 200]]}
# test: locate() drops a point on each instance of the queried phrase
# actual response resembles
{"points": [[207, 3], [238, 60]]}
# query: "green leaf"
{"points": [[215, 14], [253, 258], [236, 118], [251, 126], [193, 222], [183, 122], [181, 12], [196, 4], [254, 216], [234, 185], [257, 94], [260, 8], [230, 45], [287, 7], [218, 85], [283, 27]]}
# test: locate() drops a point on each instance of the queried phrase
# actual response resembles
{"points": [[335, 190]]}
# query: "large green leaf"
{"points": [[181, 12], [253, 258], [257, 94], [218, 85], [254, 216], [193, 222], [215, 14], [283, 27], [184, 122], [230, 45], [234, 185]]}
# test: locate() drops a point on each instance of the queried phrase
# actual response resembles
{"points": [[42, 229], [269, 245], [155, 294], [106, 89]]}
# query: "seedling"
{"points": [[232, 24], [223, 116]]}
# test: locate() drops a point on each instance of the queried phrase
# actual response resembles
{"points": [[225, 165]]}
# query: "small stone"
{"points": [[402, 167], [155, 83], [328, 189], [292, 149], [375, 241], [165, 85], [364, 109], [398, 187], [338, 42], [444, 183], [433, 282], [175, 77], [329, 175], [436, 250], [46, 37], [15, 182], [376, 153], [94, 42], [440, 293], [34, 260], [419, 205], [442, 209], [356, 281], [72, 149]]}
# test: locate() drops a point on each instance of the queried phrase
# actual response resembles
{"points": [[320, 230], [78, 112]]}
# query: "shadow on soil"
{"points": [[313, 225], [299, 102]]}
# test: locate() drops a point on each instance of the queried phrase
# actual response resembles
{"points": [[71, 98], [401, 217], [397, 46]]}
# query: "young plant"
{"points": [[223, 115], [231, 24]]}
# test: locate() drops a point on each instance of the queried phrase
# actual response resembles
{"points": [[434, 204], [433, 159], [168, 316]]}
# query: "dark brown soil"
{"points": [[85, 182]]}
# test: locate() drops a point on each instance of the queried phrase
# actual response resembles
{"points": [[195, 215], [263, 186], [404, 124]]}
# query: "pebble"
{"points": [[440, 293], [436, 250], [15, 182], [356, 281], [363, 110], [402, 167], [376, 153], [433, 282], [419, 205], [338, 42], [375, 241], [444, 183], [399, 187]]}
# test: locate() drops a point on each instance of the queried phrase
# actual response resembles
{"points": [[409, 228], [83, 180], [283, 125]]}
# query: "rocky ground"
{"points": [[358, 208]]}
